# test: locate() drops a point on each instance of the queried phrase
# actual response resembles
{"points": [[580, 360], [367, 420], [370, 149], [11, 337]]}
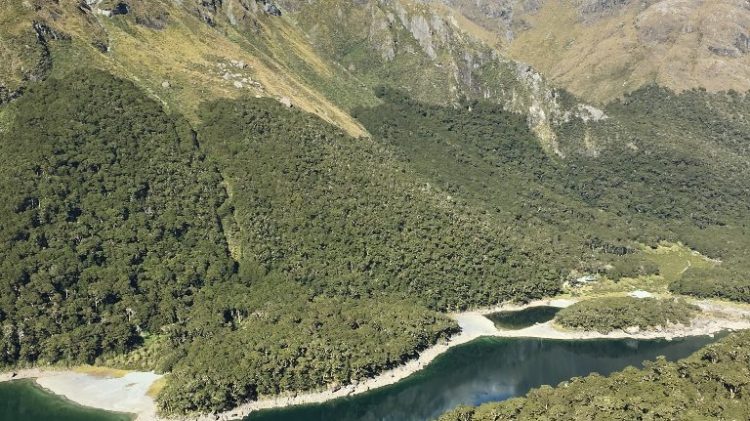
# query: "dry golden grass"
{"points": [[611, 55], [186, 54], [100, 371], [156, 388]]}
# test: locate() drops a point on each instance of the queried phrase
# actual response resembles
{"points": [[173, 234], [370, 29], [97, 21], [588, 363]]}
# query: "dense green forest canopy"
{"points": [[264, 251], [110, 223], [646, 171], [653, 178], [710, 384], [276, 337], [611, 313], [344, 217], [682, 158], [114, 251]]}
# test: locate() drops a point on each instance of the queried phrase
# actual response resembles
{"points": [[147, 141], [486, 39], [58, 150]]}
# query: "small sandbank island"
{"points": [[133, 392]]}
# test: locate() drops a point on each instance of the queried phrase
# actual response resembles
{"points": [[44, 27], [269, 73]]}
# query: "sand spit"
{"points": [[126, 393], [715, 317]]}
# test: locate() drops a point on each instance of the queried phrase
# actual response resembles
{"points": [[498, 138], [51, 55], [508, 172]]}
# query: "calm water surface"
{"points": [[523, 318], [23, 401], [488, 369]]}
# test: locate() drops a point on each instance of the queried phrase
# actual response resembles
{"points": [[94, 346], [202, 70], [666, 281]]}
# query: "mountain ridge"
{"points": [[305, 189]]}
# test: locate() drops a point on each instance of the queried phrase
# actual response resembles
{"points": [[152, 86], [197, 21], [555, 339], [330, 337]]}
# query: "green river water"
{"points": [[23, 401], [520, 319], [487, 369]]}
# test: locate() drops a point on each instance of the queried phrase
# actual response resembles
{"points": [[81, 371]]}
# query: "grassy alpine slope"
{"points": [[600, 50], [157, 215]]}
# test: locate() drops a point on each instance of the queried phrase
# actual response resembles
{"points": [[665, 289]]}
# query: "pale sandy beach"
{"points": [[128, 393]]}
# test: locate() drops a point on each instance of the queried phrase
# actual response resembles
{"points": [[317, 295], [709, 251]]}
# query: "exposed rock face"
{"points": [[720, 27], [594, 8], [44, 35], [272, 9], [420, 29], [207, 10], [438, 50], [500, 16], [269, 7], [242, 13], [601, 49], [121, 9], [450, 60]]}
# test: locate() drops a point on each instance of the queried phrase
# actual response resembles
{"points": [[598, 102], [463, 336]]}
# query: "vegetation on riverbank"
{"points": [[275, 336], [613, 313], [116, 250], [719, 282], [519, 319], [710, 384]]}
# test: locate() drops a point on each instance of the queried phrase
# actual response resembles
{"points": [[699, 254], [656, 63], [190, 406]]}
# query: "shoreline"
{"points": [[128, 393], [474, 325]]}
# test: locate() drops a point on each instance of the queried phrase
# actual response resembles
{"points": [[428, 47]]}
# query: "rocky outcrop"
{"points": [[272, 9], [241, 13], [156, 21], [44, 35], [451, 60], [269, 7], [7, 95], [593, 9]]}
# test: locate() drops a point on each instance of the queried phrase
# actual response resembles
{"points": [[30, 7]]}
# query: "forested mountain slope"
{"points": [[258, 197], [343, 216], [670, 167], [110, 220], [114, 234]]}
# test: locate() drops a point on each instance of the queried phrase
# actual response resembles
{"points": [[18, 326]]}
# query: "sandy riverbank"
{"points": [[129, 392], [715, 317], [474, 324]]}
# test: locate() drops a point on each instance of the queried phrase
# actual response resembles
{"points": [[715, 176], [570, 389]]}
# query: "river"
{"points": [[22, 400], [486, 369]]}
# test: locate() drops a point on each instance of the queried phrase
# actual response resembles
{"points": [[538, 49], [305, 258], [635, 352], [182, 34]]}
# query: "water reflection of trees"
{"points": [[490, 369]]}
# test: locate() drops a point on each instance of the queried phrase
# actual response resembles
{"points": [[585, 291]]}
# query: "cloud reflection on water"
{"points": [[488, 369]]}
